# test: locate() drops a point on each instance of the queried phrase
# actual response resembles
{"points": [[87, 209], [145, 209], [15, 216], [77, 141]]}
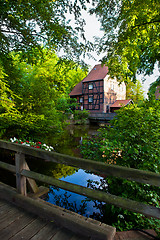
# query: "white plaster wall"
{"points": [[114, 89]]}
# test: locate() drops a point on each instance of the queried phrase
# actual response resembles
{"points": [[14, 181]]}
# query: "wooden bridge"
{"points": [[101, 117], [17, 224], [52, 221]]}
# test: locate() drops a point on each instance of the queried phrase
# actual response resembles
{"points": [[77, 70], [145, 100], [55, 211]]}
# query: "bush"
{"points": [[81, 116], [132, 141]]}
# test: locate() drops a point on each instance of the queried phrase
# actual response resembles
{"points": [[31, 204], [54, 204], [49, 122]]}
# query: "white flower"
{"points": [[120, 216]]}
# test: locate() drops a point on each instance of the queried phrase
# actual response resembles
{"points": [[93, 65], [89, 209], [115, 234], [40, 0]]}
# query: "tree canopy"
{"points": [[131, 36], [28, 23], [135, 91], [35, 97], [131, 31]]}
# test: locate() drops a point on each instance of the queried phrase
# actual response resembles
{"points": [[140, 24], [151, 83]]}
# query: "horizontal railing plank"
{"points": [[147, 210], [9, 167], [100, 168]]}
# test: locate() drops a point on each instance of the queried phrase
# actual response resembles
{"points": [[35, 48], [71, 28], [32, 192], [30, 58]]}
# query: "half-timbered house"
{"points": [[97, 91]]}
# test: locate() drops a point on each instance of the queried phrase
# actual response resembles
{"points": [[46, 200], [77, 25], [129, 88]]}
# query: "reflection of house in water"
{"points": [[97, 91]]}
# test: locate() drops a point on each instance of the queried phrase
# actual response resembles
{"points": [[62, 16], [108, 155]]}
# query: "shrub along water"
{"points": [[132, 141]]}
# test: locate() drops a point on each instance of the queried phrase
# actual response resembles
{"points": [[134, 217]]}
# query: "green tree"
{"points": [[7, 102], [39, 88], [29, 24], [134, 91], [131, 36], [46, 82], [5, 93]]}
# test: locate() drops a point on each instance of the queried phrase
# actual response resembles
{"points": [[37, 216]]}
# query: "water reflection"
{"points": [[68, 141], [75, 202]]}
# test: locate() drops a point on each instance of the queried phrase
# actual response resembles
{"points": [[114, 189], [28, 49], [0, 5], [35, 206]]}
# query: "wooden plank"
{"points": [[62, 234], [5, 209], [26, 223], [79, 238], [32, 184], [147, 210], [20, 180], [2, 203], [30, 230], [93, 166], [8, 167], [16, 226], [11, 216], [136, 235], [72, 221], [46, 232], [41, 192], [8, 214]]}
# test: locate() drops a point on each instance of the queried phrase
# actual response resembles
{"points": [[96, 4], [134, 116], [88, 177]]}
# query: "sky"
{"points": [[92, 29]]}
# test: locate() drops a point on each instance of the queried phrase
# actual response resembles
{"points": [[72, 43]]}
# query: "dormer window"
{"points": [[90, 86]]}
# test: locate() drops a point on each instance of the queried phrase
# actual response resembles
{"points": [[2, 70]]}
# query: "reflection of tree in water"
{"points": [[52, 169], [102, 185], [66, 200], [62, 200], [61, 170], [99, 215]]}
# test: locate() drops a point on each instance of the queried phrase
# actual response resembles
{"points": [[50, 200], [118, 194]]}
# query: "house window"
{"points": [[81, 99], [90, 86], [112, 86], [90, 99]]}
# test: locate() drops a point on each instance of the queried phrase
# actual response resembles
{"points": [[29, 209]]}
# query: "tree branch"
{"points": [[142, 24], [20, 33]]}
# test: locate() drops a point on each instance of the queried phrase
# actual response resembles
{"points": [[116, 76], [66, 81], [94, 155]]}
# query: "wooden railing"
{"points": [[23, 173]]}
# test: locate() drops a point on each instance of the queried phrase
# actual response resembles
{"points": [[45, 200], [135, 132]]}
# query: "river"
{"points": [[69, 140]]}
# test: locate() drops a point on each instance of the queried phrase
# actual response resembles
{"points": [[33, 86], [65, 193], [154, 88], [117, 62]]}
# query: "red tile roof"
{"points": [[77, 90], [98, 72], [120, 103]]}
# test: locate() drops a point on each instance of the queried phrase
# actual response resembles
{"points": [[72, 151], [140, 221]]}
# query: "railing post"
{"points": [[20, 180]]}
